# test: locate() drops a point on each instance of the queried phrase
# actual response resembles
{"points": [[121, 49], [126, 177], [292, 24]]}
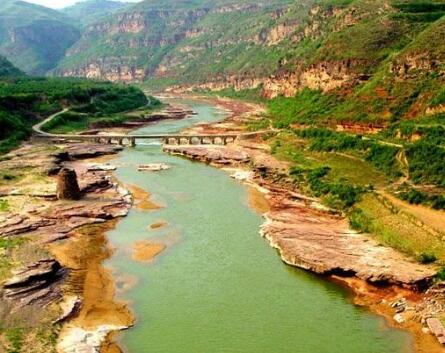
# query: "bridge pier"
{"points": [[133, 142]]}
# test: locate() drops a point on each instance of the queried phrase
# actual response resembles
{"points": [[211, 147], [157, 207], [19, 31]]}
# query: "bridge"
{"points": [[130, 140]]}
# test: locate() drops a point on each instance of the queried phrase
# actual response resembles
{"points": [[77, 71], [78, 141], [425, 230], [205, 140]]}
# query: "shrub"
{"points": [[414, 196], [384, 158], [427, 258], [438, 202], [360, 221], [441, 274], [328, 140], [426, 163], [306, 107]]}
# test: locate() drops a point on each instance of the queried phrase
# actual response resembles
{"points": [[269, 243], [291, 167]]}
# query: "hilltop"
{"points": [[86, 12]]}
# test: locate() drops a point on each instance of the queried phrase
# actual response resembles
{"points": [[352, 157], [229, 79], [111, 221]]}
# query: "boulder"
{"points": [[67, 185]]}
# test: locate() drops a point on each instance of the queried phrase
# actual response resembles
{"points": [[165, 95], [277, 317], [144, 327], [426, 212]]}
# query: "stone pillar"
{"points": [[133, 142], [67, 186]]}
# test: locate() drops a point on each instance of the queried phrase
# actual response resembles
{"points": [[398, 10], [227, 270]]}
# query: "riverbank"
{"points": [[62, 243], [69, 235], [290, 227]]}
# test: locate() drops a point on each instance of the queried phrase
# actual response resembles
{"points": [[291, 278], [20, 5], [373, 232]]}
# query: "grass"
{"points": [[15, 337], [307, 107], [394, 230], [4, 205]]}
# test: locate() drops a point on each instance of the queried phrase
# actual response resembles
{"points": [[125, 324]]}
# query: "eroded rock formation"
{"points": [[67, 185]]}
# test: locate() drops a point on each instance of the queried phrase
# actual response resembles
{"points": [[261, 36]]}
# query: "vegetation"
{"points": [[384, 157], [307, 107], [24, 101], [390, 228], [34, 37], [247, 95], [426, 163], [103, 111]]}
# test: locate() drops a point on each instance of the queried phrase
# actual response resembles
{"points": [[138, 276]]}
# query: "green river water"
{"points": [[219, 287]]}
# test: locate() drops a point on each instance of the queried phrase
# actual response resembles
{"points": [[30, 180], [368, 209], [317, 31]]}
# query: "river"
{"points": [[219, 287]]}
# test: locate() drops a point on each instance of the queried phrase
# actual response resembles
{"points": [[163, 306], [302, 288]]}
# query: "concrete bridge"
{"points": [[130, 140]]}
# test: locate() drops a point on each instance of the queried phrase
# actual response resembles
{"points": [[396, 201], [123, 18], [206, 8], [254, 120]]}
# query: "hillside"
{"points": [[32, 37], [187, 40], [86, 12], [26, 100], [330, 45], [7, 69]]}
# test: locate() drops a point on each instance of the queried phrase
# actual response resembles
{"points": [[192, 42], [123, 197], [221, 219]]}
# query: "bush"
{"points": [[438, 202], [414, 196], [384, 158], [441, 274], [427, 258], [306, 107], [360, 221], [327, 140], [426, 163], [341, 194]]}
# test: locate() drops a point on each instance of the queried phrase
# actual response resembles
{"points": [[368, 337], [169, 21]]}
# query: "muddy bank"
{"points": [[309, 236]]}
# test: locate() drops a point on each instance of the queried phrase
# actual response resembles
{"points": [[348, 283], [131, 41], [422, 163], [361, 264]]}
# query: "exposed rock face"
{"points": [[323, 243], [35, 283], [67, 186], [324, 76]]}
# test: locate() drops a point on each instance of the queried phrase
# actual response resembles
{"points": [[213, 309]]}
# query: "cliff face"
{"points": [[187, 43]]}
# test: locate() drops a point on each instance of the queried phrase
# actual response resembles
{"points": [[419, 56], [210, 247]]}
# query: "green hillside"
{"points": [[25, 100], [186, 39], [32, 37], [7, 69]]}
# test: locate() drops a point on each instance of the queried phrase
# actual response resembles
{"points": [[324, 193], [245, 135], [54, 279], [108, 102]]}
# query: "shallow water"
{"points": [[219, 287]]}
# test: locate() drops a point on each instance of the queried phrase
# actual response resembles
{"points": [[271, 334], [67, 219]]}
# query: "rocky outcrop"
{"points": [[437, 329], [77, 339], [323, 243], [411, 65], [35, 283], [215, 155], [67, 186], [324, 76]]}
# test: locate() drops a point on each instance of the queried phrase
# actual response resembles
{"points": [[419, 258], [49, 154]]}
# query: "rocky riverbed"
{"points": [[51, 228]]}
